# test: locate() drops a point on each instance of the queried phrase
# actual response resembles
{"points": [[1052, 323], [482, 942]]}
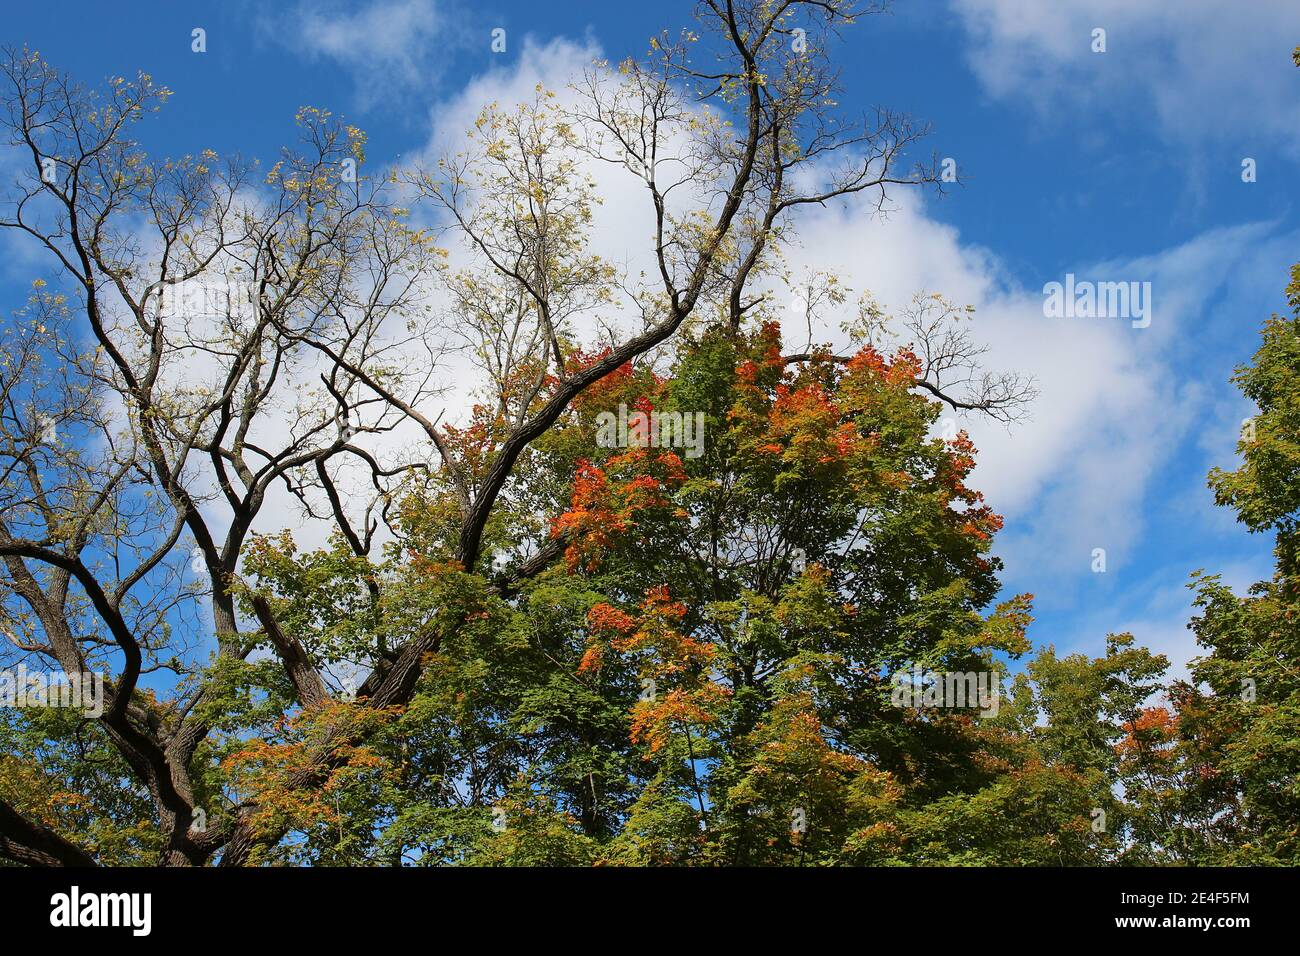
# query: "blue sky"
{"points": [[1122, 165]]}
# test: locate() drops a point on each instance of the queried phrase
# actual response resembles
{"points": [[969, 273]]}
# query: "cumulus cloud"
{"points": [[1199, 72]]}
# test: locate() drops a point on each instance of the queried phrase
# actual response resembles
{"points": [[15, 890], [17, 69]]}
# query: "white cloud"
{"points": [[1204, 70], [388, 45]]}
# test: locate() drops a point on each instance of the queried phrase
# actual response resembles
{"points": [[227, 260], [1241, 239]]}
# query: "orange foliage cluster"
{"points": [[673, 652], [666, 656], [869, 363], [474, 445], [606, 501], [604, 620], [603, 392], [653, 633], [803, 744], [980, 521], [270, 771], [809, 419], [807, 426], [654, 721], [1150, 733]]}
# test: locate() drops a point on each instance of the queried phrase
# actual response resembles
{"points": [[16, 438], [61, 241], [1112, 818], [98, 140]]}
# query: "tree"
{"points": [[1239, 717], [211, 336]]}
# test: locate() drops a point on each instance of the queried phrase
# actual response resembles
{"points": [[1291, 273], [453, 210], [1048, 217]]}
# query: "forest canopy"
{"points": [[608, 568]]}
